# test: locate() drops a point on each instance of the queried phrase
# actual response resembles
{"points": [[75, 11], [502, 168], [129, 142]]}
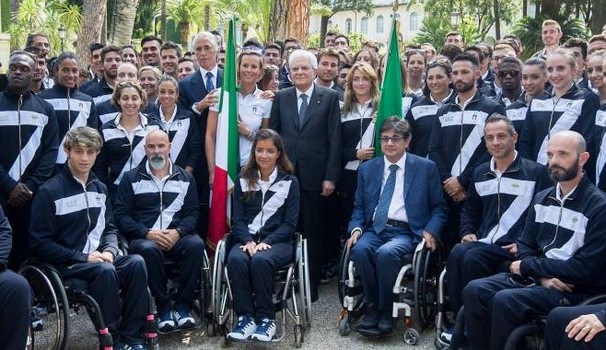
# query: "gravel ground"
{"points": [[322, 335]]}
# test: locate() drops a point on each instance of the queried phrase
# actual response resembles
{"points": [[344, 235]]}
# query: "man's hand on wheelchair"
{"points": [[355, 235], [584, 327], [555, 283], [249, 248], [160, 238], [98, 257], [430, 241]]}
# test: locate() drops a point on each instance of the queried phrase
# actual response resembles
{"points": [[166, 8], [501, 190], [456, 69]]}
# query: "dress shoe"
{"points": [[368, 325], [385, 323], [368, 331]]}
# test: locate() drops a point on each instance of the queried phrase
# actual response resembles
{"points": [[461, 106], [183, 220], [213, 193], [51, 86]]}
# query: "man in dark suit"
{"points": [[197, 92], [392, 213], [312, 140]]}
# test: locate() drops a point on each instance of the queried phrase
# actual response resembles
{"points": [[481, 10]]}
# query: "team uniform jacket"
{"points": [[28, 130], [495, 209], [546, 116], [100, 91], [73, 109], [456, 143], [600, 147], [142, 204], [184, 134], [357, 131], [119, 154], [269, 217], [516, 112], [6, 240], [421, 118], [108, 111], [566, 238], [72, 219]]}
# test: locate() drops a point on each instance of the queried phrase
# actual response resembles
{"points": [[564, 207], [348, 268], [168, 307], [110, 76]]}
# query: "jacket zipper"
{"points": [[555, 236], [19, 104]]}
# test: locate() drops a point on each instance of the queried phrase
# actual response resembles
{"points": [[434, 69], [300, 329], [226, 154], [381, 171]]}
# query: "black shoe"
{"points": [[368, 331], [385, 323]]}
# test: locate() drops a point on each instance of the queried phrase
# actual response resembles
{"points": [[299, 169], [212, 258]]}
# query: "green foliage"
{"points": [[5, 14], [529, 31], [435, 28], [355, 40], [330, 7], [144, 24]]}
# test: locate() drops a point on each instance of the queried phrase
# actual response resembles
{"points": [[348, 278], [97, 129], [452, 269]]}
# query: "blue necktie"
{"points": [[209, 82], [302, 110], [380, 221]]}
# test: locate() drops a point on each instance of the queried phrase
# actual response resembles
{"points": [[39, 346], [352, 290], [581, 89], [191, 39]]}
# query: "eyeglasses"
{"points": [[393, 139], [512, 73]]}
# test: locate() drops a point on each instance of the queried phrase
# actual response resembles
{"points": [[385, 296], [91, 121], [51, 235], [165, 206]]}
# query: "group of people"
{"points": [[496, 160]]}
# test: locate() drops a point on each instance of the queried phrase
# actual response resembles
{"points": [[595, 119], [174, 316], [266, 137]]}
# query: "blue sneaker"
{"points": [[130, 347], [244, 329], [266, 330], [165, 321], [183, 318]]}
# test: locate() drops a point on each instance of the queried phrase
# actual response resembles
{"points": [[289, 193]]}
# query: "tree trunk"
{"points": [[184, 32], [93, 16], [206, 17], [297, 22], [124, 21], [323, 28], [524, 8], [15, 7], [537, 9], [497, 19], [277, 25], [597, 16], [550, 8], [164, 31]]}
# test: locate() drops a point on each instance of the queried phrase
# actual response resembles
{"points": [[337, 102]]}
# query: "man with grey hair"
{"points": [[197, 92], [561, 252], [73, 229], [157, 210], [312, 140]]}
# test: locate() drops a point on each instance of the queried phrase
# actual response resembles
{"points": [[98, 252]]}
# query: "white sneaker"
{"points": [[244, 329], [266, 331], [446, 337]]}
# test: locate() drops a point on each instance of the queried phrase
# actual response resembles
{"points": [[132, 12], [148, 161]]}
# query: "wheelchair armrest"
{"points": [[597, 299]]}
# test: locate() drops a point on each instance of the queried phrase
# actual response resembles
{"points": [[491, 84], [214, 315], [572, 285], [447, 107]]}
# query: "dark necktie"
{"points": [[380, 221], [209, 82], [302, 110]]}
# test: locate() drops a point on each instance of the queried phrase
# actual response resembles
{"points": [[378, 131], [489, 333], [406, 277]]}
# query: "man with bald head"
{"points": [[162, 225], [561, 255]]}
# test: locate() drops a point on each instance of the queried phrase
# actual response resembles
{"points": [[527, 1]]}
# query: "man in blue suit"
{"points": [[392, 213], [197, 93]]}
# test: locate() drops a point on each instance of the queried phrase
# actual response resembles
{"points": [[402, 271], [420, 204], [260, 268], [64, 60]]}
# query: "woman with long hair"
{"points": [[421, 116], [270, 80], [264, 218], [415, 67]]}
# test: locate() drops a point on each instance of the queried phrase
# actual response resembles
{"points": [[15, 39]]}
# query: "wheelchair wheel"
{"points": [[205, 304], [343, 264], [411, 336], [51, 307], [527, 334], [426, 286], [304, 281]]}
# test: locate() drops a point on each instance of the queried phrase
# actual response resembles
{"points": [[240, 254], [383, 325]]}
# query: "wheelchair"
{"points": [[413, 290], [291, 294], [57, 296]]}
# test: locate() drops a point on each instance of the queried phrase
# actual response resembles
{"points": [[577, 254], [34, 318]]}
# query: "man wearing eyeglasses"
{"points": [[308, 118], [392, 214], [509, 75], [561, 255]]}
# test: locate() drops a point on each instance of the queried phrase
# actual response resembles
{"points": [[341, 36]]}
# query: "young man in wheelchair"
{"points": [[561, 252], [73, 229], [494, 212], [156, 208], [392, 213]]}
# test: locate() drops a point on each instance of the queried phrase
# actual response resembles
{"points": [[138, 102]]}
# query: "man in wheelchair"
{"points": [[561, 252], [392, 213], [73, 229], [157, 209]]}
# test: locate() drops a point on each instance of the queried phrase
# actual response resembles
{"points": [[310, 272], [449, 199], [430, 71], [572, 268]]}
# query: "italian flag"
{"points": [[226, 148], [390, 103]]}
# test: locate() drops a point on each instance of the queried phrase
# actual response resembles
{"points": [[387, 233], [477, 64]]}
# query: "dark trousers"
{"points": [[252, 279], [469, 261], [347, 194], [378, 258], [127, 275], [15, 308], [19, 218], [188, 252], [495, 306], [312, 219], [556, 337], [451, 233]]}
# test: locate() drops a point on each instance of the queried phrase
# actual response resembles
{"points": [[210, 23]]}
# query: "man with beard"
{"points": [[509, 75], [455, 143], [561, 252], [169, 58], [40, 71], [162, 225], [101, 91], [328, 69], [150, 50], [28, 130]]}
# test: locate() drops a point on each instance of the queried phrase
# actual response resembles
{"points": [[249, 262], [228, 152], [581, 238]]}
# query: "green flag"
{"points": [[390, 103]]}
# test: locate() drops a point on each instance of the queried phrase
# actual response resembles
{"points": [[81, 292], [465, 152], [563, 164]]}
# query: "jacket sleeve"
{"points": [[101, 167], [471, 212], [109, 240], [358, 215], [585, 265], [526, 243], [189, 215], [194, 143], [411, 121], [284, 232], [123, 209], [439, 211], [239, 226], [335, 145], [6, 238], [526, 142], [43, 230], [48, 146], [274, 116], [435, 147], [466, 176], [93, 120], [7, 184]]}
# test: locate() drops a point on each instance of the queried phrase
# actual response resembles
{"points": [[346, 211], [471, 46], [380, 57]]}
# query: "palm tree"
{"points": [[123, 21], [188, 14]]}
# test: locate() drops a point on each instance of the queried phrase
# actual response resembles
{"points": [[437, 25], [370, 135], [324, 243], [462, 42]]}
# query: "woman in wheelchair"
{"points": [[578, 327], [264, 217]]}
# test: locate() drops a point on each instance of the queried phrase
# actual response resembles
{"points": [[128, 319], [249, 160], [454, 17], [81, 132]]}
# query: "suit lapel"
{"points": [[409, 174], [314, 102], [377, 181]]}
